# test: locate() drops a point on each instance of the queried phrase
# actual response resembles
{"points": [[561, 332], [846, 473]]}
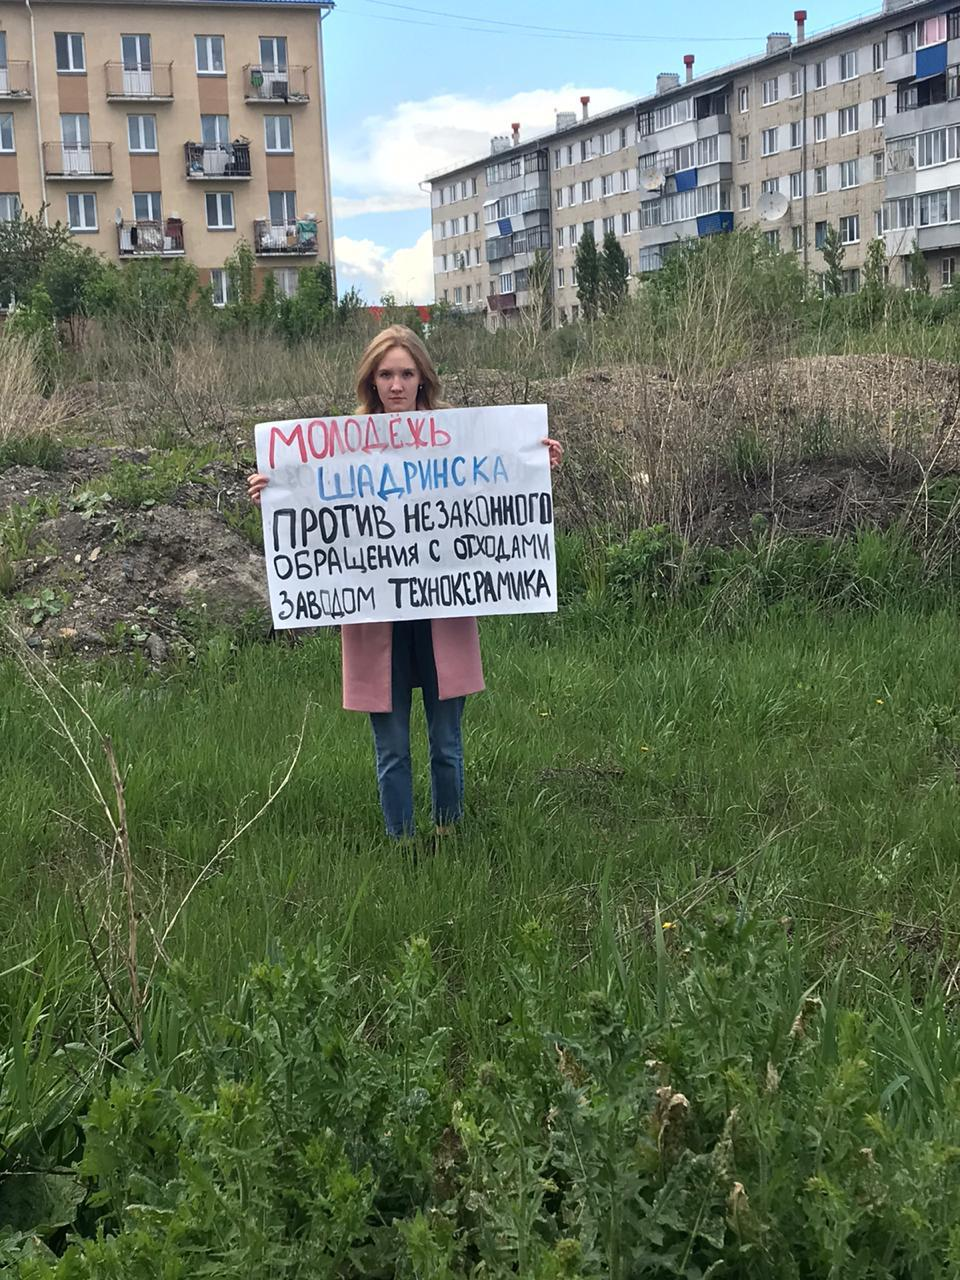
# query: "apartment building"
{"points": [[170, 129], [856, 127]]}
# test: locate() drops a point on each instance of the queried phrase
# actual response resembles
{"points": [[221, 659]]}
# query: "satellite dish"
{"points": [[653, 180], [771, 206], [118, 216]]}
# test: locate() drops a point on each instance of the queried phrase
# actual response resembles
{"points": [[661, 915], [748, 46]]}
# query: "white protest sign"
{"points": [[436, 514]]}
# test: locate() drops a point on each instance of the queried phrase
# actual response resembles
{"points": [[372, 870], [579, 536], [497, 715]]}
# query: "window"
{"points": [[70, 53], [769, 185], [796, 185], [283, 208], [850, 229], [771, 91], [820, 179], [570, 155], [215, 131], [848, 174], [9, 206], [573, 281], [220, 211], [745, 196], [82, 211], [948, 267], [772, 238], [572, 236], [819, 235], [571, 195], [898, 215], [146, 206], [559, 197], [743, 98], [768, 143], [848, 120], [820, 75], [606, 184], [953, 24], [210, 61], [609, 224], [931, 30], [556, 157], [796, 84], [684, 157], [469, 292], [851, 280], [457, 293], [273, 53], [743, 146], [820, 128], [506, 282], [878, 222], [142, 133], [708, 150], [623, 138], [625, 221], [879, 55], [560, 277], [586, 190], [797, 237], [908, 38], [219, 287], [625, 179], [796, 134], [953, 82], [559, 237], [878, 166], [585, 152], [879, 111], [848, 65], [278, 131], [6, 132]]}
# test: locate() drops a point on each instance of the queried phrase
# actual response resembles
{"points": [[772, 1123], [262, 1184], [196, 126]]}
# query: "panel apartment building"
{"points": [[857, 126], [170, 129]]}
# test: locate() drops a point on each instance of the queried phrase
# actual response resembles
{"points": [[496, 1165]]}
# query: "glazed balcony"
{"points": [[502, 301], [72, 162], [229, 162], [152, 84], [274, 84]]}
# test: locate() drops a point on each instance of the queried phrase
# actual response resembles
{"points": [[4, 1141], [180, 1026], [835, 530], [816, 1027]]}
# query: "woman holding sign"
{"points": [[383, 662]]}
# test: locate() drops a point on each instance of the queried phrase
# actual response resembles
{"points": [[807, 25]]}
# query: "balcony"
{"points": [[291, 239], [502, 301], [275, 84], [227, 163], [70, 161], [15, 80], [150, 239], [152, 84]]}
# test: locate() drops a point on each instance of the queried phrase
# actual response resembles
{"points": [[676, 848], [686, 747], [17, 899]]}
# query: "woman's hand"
{"points": [[256, 483], [556, 451]]}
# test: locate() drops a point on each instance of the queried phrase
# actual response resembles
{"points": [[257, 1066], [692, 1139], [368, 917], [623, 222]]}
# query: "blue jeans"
{"points": [[413, 664]]}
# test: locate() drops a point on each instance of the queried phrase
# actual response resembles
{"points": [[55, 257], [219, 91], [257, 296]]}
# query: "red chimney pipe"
{"points": [[688, 63], [800, 17], [516, 133], [585, 102]]}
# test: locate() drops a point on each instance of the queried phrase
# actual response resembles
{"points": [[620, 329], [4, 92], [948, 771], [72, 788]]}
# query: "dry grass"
{"points": [[24, 410]]}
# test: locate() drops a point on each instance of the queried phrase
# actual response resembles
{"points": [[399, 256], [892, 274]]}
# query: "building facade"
{"points": [[857, 127], [170, 129]]}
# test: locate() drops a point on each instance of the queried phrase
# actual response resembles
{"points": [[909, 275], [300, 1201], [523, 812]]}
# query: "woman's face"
{"points": [[397, 379]]}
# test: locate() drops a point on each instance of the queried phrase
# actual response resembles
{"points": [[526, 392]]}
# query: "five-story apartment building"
{"points": [[857, 127], [170, 128]]}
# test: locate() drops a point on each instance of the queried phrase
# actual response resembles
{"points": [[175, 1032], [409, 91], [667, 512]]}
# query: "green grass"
{"points": [[623, 772]]}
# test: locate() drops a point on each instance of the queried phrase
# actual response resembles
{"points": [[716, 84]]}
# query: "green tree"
{"points": [[70, 276], [833, 252], [33, 321], [587, 265], [26, 242], [614, 275], [873, 293], [919, 276]]}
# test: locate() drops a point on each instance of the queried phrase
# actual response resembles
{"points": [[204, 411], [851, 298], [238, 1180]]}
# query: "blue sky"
{"points": [[416, 86]]}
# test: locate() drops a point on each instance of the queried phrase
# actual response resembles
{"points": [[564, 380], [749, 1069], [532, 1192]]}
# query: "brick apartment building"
{"points": [[857, 126], [170, 129]]}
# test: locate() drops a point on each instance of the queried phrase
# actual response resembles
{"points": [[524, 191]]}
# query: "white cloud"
{"points": [[406, 273], [386, 158]]}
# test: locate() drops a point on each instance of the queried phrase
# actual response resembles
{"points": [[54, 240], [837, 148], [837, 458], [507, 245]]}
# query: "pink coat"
{"points": [[367, 653]]}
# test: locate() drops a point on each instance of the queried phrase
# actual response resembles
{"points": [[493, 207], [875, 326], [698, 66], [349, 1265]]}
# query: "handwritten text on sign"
{"points": [[437, 514]]}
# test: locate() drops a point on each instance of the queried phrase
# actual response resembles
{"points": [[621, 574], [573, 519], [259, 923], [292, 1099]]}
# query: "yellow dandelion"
{"points": [[879, 701], [669, 924]]}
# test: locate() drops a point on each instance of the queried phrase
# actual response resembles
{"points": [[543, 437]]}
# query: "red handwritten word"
{"points": [[326, 438]]}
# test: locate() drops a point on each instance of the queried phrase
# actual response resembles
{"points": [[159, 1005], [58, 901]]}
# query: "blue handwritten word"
{"points": [[368, 480]]}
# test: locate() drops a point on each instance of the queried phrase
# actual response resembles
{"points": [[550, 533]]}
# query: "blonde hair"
{"points": [[396, 335]]}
